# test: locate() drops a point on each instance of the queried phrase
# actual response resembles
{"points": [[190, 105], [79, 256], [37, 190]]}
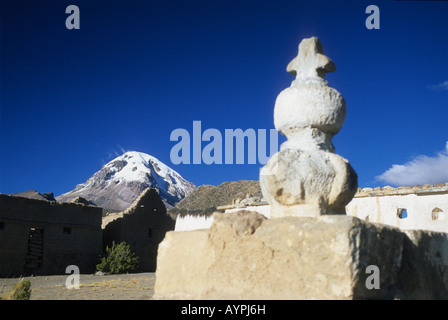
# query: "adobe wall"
{"points": [[426, 207], [142, 226], [63, 234], [189, 222]]}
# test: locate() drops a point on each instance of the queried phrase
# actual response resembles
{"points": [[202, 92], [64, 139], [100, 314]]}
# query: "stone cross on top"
{"points": [[306, 178], [310, 64]]}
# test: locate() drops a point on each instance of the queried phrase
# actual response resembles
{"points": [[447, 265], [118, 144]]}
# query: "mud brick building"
{"points": [[44, 237], [143, 226]]}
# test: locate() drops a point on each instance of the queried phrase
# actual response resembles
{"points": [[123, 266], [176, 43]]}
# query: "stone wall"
{"points": [[44, 237], [246, 256], [142, 226], [426, 208], [418, 207], [190, 222]]}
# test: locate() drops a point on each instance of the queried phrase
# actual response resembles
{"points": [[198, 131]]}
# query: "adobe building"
{"points": [[407, 208], [142, 226], [42, 237], [418, 207]]}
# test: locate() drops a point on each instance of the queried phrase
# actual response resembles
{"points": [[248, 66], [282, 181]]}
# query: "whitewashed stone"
{"points": [[306, 178]]}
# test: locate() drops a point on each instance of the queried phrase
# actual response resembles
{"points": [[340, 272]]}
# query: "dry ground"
{"points": [[135, 286]]}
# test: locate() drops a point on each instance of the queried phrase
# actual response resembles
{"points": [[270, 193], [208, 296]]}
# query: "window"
{"points": [[67, 230], [437, 214], [402, 213]]}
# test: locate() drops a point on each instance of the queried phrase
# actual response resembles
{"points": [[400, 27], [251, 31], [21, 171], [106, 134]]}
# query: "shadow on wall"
{"points": [[42, 237], [142, 226]]}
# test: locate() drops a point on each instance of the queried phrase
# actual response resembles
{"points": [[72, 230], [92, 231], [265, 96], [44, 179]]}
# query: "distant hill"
{"points": [[204, 200], [33, 194]]}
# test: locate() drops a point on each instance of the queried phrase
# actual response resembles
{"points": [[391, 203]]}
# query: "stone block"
{"points": [[424, 271], [182, 259], [246, 256]]}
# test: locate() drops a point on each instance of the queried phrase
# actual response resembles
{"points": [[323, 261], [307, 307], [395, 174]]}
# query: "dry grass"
{"points": [[117, 283], [21, 291], [91, 287]]}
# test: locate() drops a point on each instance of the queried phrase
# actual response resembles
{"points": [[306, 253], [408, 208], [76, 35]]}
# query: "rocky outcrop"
{"points": [[246, 256], [33, 194], [206, 199]]}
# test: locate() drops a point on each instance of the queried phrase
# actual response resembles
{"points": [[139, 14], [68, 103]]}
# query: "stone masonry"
{"points": [[44, 237], [306, 177], [246, 256], [142, 226]]}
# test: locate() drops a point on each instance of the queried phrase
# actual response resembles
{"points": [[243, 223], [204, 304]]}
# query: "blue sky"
{"points": [[72, 100]]}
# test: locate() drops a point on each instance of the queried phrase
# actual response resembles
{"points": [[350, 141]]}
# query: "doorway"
{"points": [[34, 254]]}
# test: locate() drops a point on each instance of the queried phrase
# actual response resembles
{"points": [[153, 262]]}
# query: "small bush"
{"points": [[118, 259], [21, 291]]}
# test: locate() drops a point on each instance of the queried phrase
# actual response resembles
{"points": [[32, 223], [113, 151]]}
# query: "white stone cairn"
{"points": [[306, 177]]}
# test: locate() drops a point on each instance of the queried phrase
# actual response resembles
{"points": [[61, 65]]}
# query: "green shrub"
{"points": [[118, 259], [21, 291]]}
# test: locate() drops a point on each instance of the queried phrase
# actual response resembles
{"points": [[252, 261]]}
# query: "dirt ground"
{"points": [[134, 286]]}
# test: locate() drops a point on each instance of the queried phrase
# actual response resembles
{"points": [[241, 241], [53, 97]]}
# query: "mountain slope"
{"points": [[33, 194], [121, 181], [206, 199]]}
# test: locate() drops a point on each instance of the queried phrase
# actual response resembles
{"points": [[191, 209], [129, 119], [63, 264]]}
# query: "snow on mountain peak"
{"points": [[134, 166], [121, 181]]}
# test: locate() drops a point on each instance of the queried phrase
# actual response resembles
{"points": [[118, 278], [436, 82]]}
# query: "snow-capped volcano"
{"points": [[121, 181]]}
